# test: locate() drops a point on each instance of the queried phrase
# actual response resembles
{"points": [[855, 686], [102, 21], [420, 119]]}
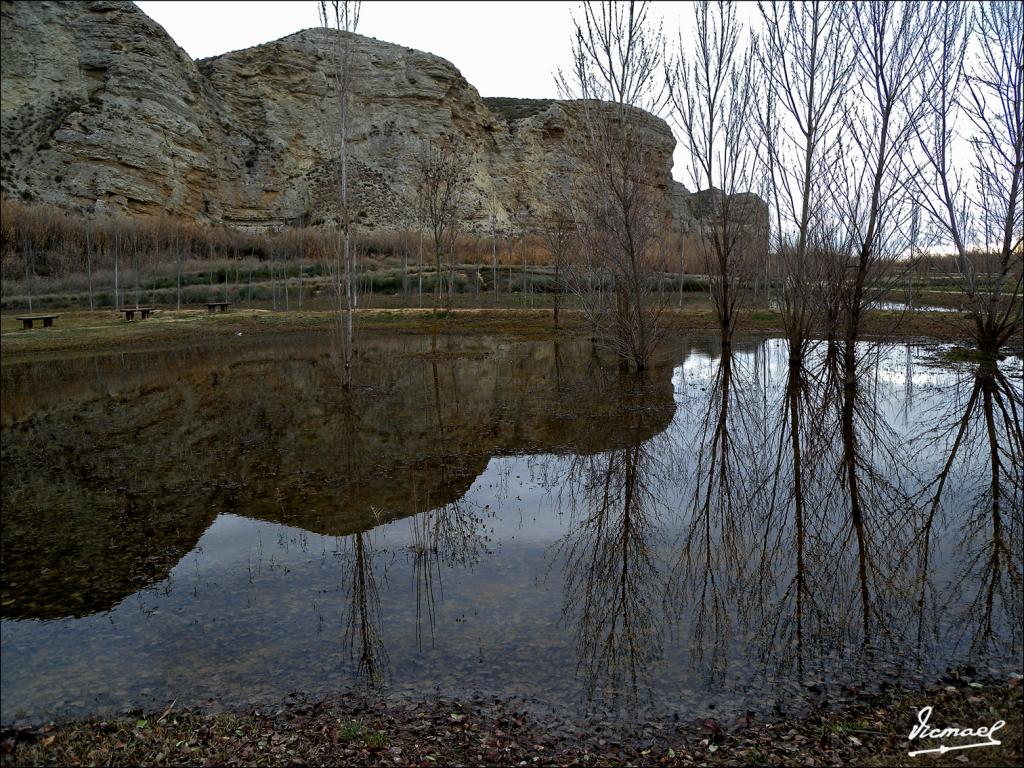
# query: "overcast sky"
{"points": [[502, 48]]}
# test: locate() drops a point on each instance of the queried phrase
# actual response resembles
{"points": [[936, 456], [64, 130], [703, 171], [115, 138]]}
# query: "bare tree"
{"points": [[892, 43], [870, 217], [616, 78], [406, 247], [493, 211], [342, 18], [978, 209], [90, 236], [805, 64], [441, 167], [116, 244], [180, 245], [713, 95], [419, 264], [28, 256], [560, 237], [136, 237]]}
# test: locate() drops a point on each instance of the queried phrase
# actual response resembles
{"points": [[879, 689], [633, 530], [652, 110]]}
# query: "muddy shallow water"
{"points": [[516, 519]]}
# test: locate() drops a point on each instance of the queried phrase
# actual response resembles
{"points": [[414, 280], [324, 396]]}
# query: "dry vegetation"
{"points": [[349, 731], [45, 251]]}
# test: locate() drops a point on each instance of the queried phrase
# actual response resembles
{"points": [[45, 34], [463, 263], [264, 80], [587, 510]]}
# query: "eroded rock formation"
{"points": [[101, 110]]}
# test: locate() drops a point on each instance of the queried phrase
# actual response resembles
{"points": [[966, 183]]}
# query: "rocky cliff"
{"points": [[101, 110]]}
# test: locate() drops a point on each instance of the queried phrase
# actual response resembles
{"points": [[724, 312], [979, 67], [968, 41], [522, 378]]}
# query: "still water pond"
{"points": [[515, 519]]}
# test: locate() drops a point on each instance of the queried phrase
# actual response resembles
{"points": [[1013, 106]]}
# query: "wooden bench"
{"points": [[27, 320], [211, 306], [129, 312]]}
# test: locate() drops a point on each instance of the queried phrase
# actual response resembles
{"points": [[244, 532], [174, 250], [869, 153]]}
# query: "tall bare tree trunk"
{"points": [[682, 269], [88, 260], [617, 77], [29, 256], [178, 258], [136, 266], [494, 252], [343, 17], [714, 94], [116, 247], [405, 269]]}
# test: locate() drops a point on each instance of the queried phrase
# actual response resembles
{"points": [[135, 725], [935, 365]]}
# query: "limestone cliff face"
{"points": [[102, 110]]}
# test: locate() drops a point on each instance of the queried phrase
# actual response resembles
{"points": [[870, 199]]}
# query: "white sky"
{"points": [[502, 48]]}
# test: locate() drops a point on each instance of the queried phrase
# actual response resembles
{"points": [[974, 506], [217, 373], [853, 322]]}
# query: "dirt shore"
{"points": [[873, 730]]}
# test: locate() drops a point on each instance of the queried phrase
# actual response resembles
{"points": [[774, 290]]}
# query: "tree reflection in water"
{"points": [[805, 503], [610, 560], [710, 582], [792, 555], [873, 496], [808, 523], [978, 490], [363, 623], [449, 535], [827, 578], [364, 628]]}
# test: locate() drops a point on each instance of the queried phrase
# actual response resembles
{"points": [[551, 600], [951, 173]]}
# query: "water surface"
{"points": [[515, 519]]}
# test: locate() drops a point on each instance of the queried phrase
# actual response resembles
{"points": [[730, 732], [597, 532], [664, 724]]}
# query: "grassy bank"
{"points": [[83, 332], [871, 730]]}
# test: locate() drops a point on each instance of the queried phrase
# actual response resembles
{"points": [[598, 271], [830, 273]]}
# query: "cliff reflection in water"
{"points": [[519, 519], [107, 486]]}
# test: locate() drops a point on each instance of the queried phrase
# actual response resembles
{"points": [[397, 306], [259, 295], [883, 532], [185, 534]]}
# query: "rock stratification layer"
{"points": [[101, 110]]}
